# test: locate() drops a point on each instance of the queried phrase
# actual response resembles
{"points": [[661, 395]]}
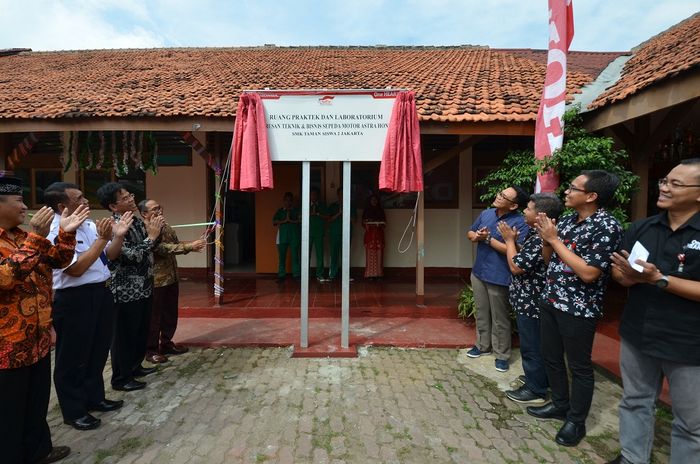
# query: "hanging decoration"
{"points": [[200, 149], [23, 149], [125, 153], [65, 147], [101, 153], [118, 150], [115, 161]]}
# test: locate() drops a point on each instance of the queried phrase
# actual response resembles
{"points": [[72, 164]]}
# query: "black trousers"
{"points": [[163, 318], [83, 318], [129, 343], [563, 334], [24, 402]]}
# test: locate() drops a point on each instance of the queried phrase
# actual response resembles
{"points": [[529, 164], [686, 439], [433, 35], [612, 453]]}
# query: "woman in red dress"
{"points": [[373, 221]]}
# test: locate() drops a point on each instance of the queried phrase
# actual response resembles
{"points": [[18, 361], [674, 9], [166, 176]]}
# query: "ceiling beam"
{"points": [[447, 155]]}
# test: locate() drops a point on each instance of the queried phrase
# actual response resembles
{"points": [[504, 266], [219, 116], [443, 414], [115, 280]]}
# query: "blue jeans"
{"points": [[642, 377], [530, 350]]}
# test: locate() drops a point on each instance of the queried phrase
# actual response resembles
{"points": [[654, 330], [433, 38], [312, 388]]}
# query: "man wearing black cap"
{"points": [[26, 261]]}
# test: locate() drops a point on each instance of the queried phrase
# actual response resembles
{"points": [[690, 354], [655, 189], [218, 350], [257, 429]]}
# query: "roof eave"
{"points": [[656, 97]]}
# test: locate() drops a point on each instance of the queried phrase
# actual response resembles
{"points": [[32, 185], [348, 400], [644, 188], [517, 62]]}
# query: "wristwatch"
{"points": [[488, 239], [662, 282]]}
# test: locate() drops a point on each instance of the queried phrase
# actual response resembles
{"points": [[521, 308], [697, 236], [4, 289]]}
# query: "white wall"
{"points": [[182, 192], [446, 244]]}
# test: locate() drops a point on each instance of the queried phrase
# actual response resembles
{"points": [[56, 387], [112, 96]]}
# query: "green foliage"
{"points": [[466, 307], [579, 152]]}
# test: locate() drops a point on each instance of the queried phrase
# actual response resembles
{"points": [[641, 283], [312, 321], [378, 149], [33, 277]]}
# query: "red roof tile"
{"points": [[590, 63], [674, 51], [452, 83]]}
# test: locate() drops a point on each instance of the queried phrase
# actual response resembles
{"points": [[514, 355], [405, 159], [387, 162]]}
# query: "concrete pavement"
{"points": [[255, 405]]}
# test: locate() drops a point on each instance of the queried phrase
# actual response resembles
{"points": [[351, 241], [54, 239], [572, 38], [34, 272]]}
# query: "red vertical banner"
{"points": [[549, 127]]}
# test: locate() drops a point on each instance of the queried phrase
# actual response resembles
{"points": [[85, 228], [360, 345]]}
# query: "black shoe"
{"points": [[87, 422], [130, 386], [57, 453], [106, 405], [144, 371], [175, 349], [571, 433], [620, 459], [524, 395], [548, 411]]}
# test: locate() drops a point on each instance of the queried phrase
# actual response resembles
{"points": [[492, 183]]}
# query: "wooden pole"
{"points": [[420, 250], [218, 227]]}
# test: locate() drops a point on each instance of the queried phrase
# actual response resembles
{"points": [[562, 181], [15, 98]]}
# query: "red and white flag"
{"points": [[549, 127]]}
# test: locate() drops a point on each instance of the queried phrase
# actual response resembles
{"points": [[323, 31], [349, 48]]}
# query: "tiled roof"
{"points": [[590, 63], [452, 83], [661, 57]]}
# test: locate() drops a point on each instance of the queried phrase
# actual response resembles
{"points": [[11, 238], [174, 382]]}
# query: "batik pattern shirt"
{"points": [[26, 265], [594, 239], [525, 288], [132, 271], [165, 263]]}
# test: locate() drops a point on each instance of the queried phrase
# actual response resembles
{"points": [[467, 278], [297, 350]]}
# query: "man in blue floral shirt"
{"points": [[580, 248], [529, 268]]}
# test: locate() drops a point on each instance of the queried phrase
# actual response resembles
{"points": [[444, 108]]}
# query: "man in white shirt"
{"points": [[83, 311]]}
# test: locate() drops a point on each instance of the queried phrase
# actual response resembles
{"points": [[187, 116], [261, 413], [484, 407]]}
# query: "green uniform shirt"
{"points": [[288, 232], [336, 225], [317, 224]]}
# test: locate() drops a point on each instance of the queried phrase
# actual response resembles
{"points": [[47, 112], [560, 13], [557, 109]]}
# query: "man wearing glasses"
{"points": [[166, 290], [578, 250], [491, 275], [660, 326], [132, 286]]}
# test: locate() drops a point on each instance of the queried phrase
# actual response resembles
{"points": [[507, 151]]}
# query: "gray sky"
{"points": [[612, 25]]}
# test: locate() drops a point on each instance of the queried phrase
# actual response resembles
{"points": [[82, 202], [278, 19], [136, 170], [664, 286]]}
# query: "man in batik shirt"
{"points": [[528, 268], [26, 263], [166, 290], [580, 247], [132, 285]]}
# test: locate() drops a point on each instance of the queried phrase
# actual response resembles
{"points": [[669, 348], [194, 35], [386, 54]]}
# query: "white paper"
{"points": [[638, 252]]}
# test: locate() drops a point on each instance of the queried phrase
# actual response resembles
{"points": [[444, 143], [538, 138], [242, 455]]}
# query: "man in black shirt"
{"points": [[132, 286], [660, 327]]}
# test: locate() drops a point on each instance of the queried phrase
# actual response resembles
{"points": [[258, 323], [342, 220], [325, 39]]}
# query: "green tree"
{"points": [[580, 151]]}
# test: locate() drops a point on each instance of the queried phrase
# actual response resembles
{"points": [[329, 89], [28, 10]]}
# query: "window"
{"points": [[35, 181]]}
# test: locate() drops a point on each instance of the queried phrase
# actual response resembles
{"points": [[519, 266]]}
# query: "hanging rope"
{"points": [[412, 224]]}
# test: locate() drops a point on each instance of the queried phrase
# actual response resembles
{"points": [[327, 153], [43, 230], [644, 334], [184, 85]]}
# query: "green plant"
{"points": [[466, 307], [580, 151]]}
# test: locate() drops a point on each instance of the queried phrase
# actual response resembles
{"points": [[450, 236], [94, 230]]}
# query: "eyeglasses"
{"points": [[501, 195], [673, 184], [573, 188], [126, 197]]}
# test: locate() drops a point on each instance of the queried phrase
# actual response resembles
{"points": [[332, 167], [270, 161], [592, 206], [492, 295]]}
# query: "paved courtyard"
{"points": [[254, 405]]}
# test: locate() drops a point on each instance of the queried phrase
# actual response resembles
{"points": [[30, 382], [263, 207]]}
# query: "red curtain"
{"points": [[401, 169], [251, 168]]}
